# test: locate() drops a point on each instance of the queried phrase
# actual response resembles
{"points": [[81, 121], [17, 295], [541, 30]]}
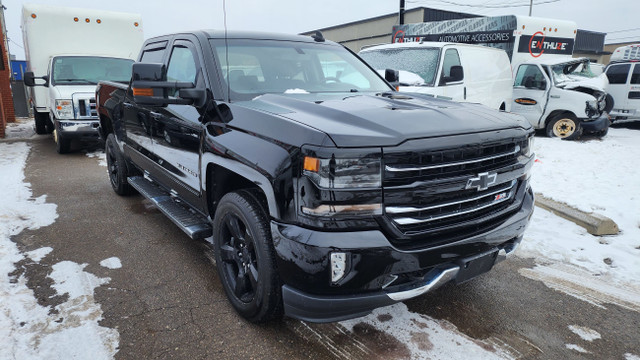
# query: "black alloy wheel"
{"points": [[245, 256]]}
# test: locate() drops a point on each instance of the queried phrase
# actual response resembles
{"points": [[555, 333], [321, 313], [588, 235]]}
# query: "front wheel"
{"points": [[245, 257], [63, 145], [117, 167], [565, 126]]}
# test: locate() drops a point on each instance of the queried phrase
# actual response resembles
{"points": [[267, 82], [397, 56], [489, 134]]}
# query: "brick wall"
{"points": [[7, 114]]}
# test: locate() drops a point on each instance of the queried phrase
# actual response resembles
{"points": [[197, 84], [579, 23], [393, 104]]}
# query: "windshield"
{"points": [[80, 70], [571, 72], [256, 67], [417, 65]]}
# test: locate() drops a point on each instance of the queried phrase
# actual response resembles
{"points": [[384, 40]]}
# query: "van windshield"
{"points": [[81, 70], [568, 72], [255, 67], [417, 66]]}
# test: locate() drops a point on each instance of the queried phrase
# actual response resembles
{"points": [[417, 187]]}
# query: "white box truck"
{"points": [[68, 50], [460, 72], [552, 90]]}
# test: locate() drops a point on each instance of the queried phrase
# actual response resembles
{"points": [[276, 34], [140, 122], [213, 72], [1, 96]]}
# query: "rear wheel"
{"points": [[245, 257], [117, 167], [565, 126]]}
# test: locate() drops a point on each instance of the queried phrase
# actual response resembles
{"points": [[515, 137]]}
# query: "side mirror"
{"points": [[456, 73], [30, 79], [150, 87], [392, 76]]}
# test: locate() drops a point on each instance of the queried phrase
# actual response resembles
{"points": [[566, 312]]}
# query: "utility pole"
{"points": [[401, 13], [530, 6]]}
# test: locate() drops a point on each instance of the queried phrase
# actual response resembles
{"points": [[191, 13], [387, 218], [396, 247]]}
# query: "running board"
{"points": [[188, 220]]}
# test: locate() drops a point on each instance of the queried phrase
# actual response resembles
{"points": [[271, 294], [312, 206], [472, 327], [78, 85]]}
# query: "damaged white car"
{"points": [[563, 97]]}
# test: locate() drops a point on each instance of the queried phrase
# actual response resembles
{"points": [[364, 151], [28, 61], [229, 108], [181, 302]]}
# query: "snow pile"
{"points": [[23, 128], [593, 176], [27, 329], [585, 333]]}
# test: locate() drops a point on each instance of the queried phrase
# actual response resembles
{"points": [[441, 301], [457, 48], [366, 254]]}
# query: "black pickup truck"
{"points": [[326, 193]]}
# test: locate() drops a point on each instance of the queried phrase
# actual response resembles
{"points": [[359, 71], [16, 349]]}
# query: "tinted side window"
{"points": [[635, 76], [451, 58], [152, 56], [617, 74], [530, 77], [182, 65]]}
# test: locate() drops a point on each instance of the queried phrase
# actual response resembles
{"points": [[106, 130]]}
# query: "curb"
{"points": [[595, 224]]}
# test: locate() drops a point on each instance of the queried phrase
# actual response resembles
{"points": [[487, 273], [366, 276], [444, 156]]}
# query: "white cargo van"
{"points": [[460, 72], [68, 50], [564, 105], [624, 87]]}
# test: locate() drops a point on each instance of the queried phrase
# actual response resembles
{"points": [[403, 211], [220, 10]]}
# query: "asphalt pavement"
{"points": [[167, 301]]}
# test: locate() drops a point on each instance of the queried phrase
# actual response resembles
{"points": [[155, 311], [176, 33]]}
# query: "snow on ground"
{"points": [[23, 128], [425, 337], [584, 332], [577, 348], [100, 155], [111, 263], [631, 357], [594, 175], [29, 330]]}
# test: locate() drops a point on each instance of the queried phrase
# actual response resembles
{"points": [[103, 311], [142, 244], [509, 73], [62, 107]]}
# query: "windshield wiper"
{"points": [[83, 80]]}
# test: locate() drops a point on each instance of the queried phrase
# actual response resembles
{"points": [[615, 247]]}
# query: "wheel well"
{"points": [[221, 181], [555, 114], [105, 125]]}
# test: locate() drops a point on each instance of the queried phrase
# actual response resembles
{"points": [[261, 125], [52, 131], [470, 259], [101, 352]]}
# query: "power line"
{"points": [[18, 45], [625, 30]]}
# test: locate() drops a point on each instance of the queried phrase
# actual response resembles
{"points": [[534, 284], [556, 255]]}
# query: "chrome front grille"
{"points": [[439, 195], [85, 107]]}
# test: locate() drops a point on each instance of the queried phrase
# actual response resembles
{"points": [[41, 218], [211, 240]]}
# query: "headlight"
{"points": [[343, 173], [64, 109], [528, 150], [341, 182]]}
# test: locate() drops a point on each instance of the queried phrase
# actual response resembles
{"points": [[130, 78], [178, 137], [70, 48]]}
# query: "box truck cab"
{"points": [[68, 51], [460, 72], [535, 46]]}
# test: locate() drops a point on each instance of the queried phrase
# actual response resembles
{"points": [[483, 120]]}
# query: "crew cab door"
{"points": [[177, 128], [137, 118], [530, 93], [451, 78]]}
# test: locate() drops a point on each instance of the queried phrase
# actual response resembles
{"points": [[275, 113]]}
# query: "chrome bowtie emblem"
{"points": [[482, 182]]}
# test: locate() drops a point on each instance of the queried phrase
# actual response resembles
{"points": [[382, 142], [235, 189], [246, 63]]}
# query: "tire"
{"points": [[565, 126], [49, 125], [41, 122], [117, 167], [609, 103], [245, 257], [63, 145]]}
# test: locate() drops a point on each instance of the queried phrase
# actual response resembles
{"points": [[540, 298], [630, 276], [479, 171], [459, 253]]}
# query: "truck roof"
{"points": [[256, 35]]}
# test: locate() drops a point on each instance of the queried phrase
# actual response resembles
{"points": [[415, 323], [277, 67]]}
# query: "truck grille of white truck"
{"points": [[85, 108], [442, 195]]}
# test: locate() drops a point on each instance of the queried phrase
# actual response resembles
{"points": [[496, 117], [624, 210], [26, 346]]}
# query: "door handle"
{"points": [[465, 93]]}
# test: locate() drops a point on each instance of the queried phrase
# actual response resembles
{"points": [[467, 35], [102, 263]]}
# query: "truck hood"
{"points": [[67, 91], [598, 83], [359, 120]]}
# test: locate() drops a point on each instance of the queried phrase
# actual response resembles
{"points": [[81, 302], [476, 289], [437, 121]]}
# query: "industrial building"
{"points": [[378, 30]]}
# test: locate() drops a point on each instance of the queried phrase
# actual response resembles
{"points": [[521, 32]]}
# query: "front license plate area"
{"points": [[475, 265]]}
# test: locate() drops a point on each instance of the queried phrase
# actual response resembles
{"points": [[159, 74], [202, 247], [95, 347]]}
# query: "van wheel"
{"points": [[62, 145], [41, 122], [565, 126], [245, 257], [117, 167]]}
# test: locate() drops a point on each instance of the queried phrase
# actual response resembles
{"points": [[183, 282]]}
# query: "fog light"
{"points": [[338, 266]]}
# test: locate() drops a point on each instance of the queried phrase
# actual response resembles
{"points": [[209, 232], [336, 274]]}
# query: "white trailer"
{"points": [[72, 49], [553, 91]]}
